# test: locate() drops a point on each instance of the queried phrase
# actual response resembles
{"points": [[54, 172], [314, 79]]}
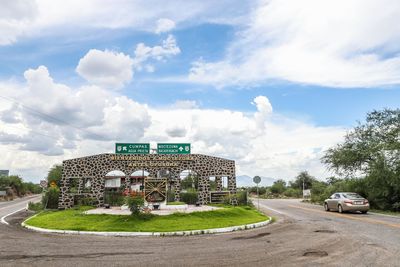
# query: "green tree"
{"points": [[305, 177], [372, 150], [55, 174], [278, 187]]}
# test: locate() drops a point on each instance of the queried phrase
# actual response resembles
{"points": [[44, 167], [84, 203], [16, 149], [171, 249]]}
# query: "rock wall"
{"points": [[94, 169]]}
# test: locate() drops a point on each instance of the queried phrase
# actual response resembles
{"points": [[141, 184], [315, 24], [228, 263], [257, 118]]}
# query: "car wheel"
{"points": [[340, 209], [326, 207]]}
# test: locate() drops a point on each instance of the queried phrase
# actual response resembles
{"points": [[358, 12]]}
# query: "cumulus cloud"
{"points": [[145, 53], [111, 69], [185, 104], [55, 117], [15, 17], [312, 42], [164, 25], [106, 68]]}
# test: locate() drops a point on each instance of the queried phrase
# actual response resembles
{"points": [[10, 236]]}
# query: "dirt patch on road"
{"points": [[251, 236], [315, 253]]}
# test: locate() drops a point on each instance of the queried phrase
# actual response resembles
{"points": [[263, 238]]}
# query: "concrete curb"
{"points": [[178, 233]]}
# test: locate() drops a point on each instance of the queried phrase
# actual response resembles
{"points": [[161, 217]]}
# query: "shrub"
{"points": [[291, 192], [171, 196], [135, 204], [87, 201], [114, 198], [35, 206], [50, 198], [189, 197]]}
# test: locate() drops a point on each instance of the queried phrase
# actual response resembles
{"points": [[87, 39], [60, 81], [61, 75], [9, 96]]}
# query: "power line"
{"points": [[41, 114]]}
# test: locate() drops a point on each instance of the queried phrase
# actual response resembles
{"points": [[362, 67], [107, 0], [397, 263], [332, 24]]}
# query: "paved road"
{"points": [[304, 235], [11, 206]]}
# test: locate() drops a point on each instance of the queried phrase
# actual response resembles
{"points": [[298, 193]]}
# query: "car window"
{"points": [[352, 195], [337, 196]]}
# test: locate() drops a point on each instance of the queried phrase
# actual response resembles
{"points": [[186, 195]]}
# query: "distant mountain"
{"points": [[245, 180]]}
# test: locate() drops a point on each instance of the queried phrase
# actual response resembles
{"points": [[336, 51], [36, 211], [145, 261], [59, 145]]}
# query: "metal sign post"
{"points": [[257, 180]]}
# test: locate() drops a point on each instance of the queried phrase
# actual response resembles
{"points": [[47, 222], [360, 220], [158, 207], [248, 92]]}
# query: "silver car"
{"points": [[346, 201]]}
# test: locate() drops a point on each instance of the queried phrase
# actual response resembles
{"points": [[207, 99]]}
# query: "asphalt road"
{"points": [[304, 235]]}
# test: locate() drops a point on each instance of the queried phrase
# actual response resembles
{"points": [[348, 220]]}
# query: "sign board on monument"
{"points": [[173, 148], [132, 148], [218, 196], [155, 190]]}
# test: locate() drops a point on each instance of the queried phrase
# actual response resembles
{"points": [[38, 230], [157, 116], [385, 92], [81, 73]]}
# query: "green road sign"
{"points": [[135, 148], [173, 148]]}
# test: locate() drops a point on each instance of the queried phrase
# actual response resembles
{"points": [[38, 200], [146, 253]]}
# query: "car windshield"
{"points": [[352, 195]]}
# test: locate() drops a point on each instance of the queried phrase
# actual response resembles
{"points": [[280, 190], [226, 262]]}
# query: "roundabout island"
{"points": [[128, 194]]}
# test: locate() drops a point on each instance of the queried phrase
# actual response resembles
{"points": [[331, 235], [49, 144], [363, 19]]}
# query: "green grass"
{"points": [[176, 203], [393, 213], [75, 219]]}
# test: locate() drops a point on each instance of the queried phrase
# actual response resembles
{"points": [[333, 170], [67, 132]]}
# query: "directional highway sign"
{"points": [[173, 148], [134, 148]]}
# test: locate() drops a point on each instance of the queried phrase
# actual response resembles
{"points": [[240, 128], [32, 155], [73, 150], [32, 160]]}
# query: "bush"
{"points": [[171, 195], [87, 201], [135, 204], [291, 192], [189, 197], [114, 198], [35, 206], [50, 198]]}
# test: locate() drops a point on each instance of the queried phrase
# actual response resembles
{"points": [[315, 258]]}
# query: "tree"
{"points": [[55, 174], [372, 150], [278, 187], [303, 177]]}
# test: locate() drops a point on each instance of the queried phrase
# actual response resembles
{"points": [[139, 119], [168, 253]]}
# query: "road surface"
{"points": [[304, 235], [15, 205]]}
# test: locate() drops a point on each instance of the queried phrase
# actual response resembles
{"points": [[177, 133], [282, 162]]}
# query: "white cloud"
{"points": [[185, 104], [15, 17], [53, 118], [19, 18], [145, 53], [106, 68], [164, 25], [337, 43]]}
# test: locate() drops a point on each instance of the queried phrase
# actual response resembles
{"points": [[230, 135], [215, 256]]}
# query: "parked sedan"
{"points": [[346, 201]]}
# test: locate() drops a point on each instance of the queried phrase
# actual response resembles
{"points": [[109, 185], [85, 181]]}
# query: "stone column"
{"points": [[232, 189], [177, 186], [128, 183], [218, 181], [204, 190]]}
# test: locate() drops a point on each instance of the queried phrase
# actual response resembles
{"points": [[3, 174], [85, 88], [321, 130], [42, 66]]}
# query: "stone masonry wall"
{"points": [[96, 167]]}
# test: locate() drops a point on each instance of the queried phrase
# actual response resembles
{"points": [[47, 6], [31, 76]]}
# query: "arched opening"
{"points": [[136, 182], [114, 187], [189, 180]]}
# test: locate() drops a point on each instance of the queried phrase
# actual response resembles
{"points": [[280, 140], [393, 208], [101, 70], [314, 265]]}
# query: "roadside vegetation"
{"points": [[366, 162], [76, 219], [14, 186]]}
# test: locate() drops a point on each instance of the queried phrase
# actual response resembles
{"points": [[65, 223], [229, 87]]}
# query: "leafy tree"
{"points": [[278, 187], [55, 174], [372, 150], [303, 177], [190, 181]]}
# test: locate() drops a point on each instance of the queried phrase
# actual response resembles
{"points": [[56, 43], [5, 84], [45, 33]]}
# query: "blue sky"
{"points": [[287, 73]]}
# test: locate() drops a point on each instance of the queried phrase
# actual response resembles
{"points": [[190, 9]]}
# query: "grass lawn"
{"points": [[75, 219], [393, 213], [176, 203]]}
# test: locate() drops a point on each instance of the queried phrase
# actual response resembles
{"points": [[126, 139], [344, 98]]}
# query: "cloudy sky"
{"points": [[269, 83]]}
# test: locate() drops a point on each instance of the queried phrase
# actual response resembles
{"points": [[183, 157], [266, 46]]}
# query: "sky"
{"points": [[271, 84]]}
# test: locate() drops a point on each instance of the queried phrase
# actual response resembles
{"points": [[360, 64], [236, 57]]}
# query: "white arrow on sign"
{"points": [[180, 148]]}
